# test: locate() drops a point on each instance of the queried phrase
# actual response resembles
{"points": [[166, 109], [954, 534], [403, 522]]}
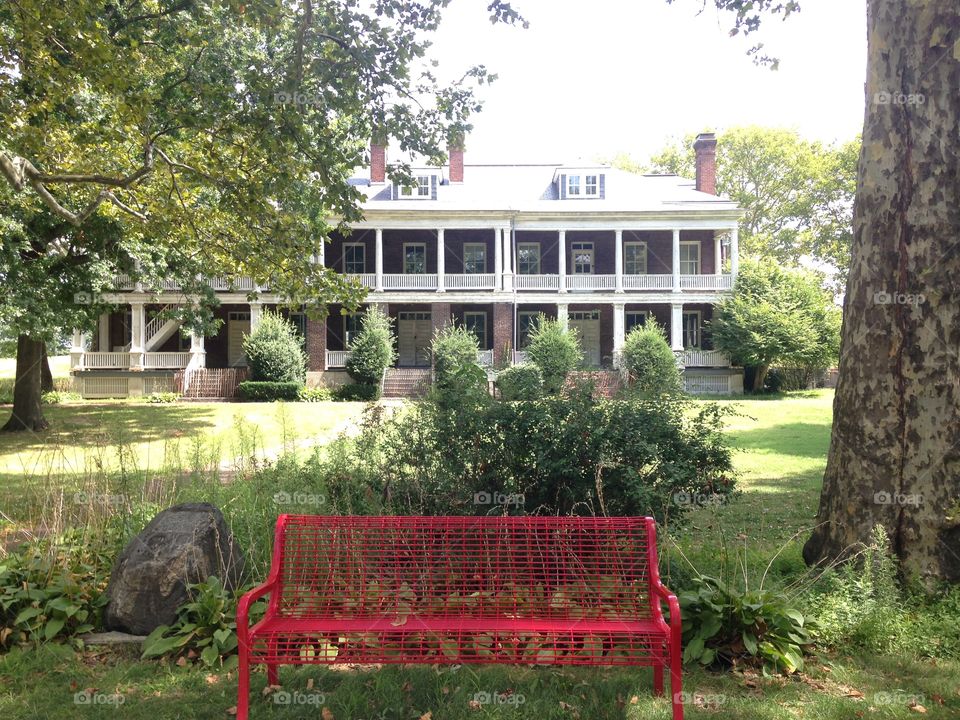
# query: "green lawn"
{"points": [[59, 366], [782, 448]]}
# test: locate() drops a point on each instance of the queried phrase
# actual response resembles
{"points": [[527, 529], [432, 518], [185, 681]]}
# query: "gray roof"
{"points": [[533, 189]]}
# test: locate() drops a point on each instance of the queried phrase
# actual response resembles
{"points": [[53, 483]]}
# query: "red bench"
{"points": [[451, 590]]}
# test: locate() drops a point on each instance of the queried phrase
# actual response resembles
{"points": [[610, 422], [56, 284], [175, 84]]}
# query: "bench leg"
{"points": [[658, 680], [676, 684], [273, 674], [243, 686]]}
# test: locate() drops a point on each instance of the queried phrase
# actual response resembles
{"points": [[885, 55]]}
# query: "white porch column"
{"points": [[322, 255], [137, 286], [506, 236], [734, 252], [103, 332], [676, 260], [497, 259], [676, 327], [563, 316], [378, 261], [717, 254], [198, 352], [619, 334], [256, 309], [562, 266], [441, 251], [76, 352], [138, 328], [618, 261]]}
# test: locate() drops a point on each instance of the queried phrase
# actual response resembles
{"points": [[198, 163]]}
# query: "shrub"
{"points": [[371, 352], [555, 351], [650, 361], [257, 391], [723, 625], [454, 348], [780, 379], [318, 394], [161, 397], [55, 397], [275, 351], [520, 382], [356, 392]]}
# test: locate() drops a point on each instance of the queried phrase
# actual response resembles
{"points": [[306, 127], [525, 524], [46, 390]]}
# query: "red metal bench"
{"points": [[451, 590]]}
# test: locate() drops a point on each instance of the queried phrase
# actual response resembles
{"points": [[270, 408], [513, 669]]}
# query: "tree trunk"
{"points": [[759, 377], [46, 376], [894, 457], [27, 410]]}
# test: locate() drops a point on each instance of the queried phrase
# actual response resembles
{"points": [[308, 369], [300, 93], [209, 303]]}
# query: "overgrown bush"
{"points": [[160, 398], [261, 391], [356, 392], [650, 362], [555, 351], [781, 379], [317, 394], [274, 351], [454, 348], [520, 382], [371, 351]]}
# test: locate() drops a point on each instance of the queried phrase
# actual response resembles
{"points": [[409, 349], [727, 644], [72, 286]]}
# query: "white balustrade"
{"points": [[154, 360], [591, 282], [705, 358], [647, 282], [410, 281], [537, 282], [469, 281], [105, 360], [367, 280], [337, 358], [706, 282], [485, 358], [519, 356]]}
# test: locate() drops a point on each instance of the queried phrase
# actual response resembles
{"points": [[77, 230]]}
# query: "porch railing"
{"points": [[156, 360], [537, 282], [468, 281], [590, 282], [405, 281], [705, 358], [485, 358], [519, 356], [105, 360], [706, 282], [337, 358], [647, 282], [367, 280]]}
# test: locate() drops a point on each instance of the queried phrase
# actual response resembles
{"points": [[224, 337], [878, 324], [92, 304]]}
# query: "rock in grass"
{"points": [[182, 545]]}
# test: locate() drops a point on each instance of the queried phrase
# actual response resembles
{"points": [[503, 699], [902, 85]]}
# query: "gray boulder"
{"points": [[182, 545]]}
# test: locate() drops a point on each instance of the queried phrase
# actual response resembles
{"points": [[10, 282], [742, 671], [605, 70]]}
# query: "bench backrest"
{"points": [[549, 567]]}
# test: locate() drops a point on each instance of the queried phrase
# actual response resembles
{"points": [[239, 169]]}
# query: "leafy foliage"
{"points": [[650, 361], [274, 351], [371, 351], [263, 391], [777, 316], [722, 625], [555, 350], [317, 394], [205, 628], [520, 382], [454, 348], [357, 391]]}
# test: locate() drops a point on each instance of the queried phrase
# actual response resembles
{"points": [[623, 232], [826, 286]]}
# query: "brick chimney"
{"points": [[706, 149], [456, 163], [378, 161]]}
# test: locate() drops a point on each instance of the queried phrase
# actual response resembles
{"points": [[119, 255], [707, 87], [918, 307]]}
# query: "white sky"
{"points": [[591, 80]]}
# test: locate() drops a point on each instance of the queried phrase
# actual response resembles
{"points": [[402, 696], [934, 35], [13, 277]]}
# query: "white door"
{"points": [[587, 326], [238, 325], [414, 333]]}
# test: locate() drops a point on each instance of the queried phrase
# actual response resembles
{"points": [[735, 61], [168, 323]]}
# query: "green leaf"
{"points": [[750, 642], [53, 627], [27, 614], [694, 648], [209, 655]]}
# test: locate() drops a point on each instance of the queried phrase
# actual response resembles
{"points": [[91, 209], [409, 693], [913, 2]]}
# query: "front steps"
{"points": [[406, 382]]}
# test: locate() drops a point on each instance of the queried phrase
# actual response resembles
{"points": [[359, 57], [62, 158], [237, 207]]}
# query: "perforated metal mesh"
{"points": [[572, 591]]}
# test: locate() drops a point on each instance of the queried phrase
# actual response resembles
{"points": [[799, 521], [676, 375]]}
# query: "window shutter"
{"points": [[433, 187], [602, 181], [563, 187]]}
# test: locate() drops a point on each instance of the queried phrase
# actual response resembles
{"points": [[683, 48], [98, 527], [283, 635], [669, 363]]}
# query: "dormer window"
{"points": [[423, 187], [578, 184]]}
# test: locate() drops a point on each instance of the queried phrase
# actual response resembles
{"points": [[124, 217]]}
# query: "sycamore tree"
{"points": [[777, 317], [797, 195], [186, 138]]}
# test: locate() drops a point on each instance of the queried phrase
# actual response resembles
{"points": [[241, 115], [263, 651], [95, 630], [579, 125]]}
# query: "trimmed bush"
{"points": [[275, 351], [520, 382], [261, 391], [358, 392], [555, 351], [455, 358], [371, 352], [650, 361]]}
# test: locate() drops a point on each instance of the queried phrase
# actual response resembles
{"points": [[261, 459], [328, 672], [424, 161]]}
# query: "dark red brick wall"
{"points": [[456, 164], [659, 249], [549, 249], [502, 330], [333, 257], [604, 249], [316, 344], [378, 162], [393, 241], [458, 310], [453, 242], [442, 315]]}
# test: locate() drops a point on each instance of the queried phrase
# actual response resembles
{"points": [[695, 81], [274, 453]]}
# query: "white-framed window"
{"points": [[476, 322], [414, 258], [354, 258], [526, 319], [420, 188], [691, 329], [528, 258], [582, 258], [635, 258], [583, 186], [299, 321], [474, 258], [633, 319], [351, 327], [583, 315], [690, 257]]}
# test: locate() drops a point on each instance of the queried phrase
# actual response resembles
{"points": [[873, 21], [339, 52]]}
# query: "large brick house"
{"points": [[490, 247]]}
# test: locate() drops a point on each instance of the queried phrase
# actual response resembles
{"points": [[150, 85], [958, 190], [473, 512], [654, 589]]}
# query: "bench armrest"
{"points": [[243, 607], [661, 593]]}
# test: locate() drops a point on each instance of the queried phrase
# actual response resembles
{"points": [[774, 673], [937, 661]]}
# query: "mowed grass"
{"points": [[59, 367]]}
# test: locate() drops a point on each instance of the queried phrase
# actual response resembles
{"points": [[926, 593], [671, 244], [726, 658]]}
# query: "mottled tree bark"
{"points": [[895, 448], [27, 410], [46, 376]]}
